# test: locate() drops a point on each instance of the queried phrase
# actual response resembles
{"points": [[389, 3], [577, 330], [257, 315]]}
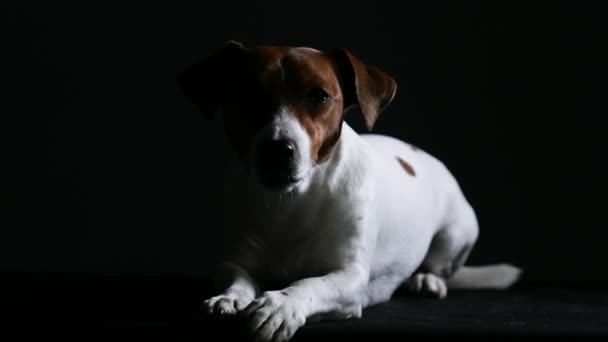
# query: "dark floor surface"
{"points": [[109, 308]]}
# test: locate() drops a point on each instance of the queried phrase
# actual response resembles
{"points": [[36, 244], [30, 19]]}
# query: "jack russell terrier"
{"points": [[329, 221]]}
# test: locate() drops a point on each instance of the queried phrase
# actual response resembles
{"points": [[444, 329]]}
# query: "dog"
{"points": [[330, 221]]}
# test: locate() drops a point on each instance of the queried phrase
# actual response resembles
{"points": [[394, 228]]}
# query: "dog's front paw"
{"points": [[274, 316], [226, 304]]}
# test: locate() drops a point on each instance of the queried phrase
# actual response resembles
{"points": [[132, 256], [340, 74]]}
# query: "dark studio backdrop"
{"points": [[109, 169]]}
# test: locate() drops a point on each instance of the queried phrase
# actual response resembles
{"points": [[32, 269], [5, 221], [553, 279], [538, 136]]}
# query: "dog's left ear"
{"points": [[363, 86], [203, 83]]}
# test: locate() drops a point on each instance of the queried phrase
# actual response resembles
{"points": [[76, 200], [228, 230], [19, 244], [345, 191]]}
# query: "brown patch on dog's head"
{"points": [[314, 96], [407, 167]]}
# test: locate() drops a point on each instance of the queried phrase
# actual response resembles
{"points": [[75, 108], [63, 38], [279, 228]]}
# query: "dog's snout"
{"points": [[278, 151], [277, 163]]}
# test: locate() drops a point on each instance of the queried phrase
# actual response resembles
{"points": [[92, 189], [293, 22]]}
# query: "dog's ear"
{"points": [[363, 86], [202, 82]]}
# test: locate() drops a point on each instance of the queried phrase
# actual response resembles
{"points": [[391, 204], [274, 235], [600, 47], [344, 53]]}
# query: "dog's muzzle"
{"points": [[277, 164]]}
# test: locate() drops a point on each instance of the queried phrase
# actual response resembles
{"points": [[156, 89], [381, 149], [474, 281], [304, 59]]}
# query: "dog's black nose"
{"points": [[276, 164], [278, 151]]}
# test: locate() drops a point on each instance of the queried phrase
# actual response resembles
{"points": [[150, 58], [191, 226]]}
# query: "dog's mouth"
{"points": [[279, 182]]}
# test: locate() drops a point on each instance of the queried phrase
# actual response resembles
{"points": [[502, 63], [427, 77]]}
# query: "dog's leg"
{"points": [[276, 315], [240, 290], [446, 255], [449, 250]]}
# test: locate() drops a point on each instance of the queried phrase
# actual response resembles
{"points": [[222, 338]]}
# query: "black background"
{"points": [[109, 169]]}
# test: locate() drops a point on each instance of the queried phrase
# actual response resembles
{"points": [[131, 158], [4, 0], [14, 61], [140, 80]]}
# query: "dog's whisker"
{"points": [[320, 168]]}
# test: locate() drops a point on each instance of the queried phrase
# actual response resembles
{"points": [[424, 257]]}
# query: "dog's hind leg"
{"points": [[448, 251]]}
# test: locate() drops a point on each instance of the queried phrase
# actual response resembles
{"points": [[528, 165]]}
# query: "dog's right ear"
{"points": [[203, 82]]}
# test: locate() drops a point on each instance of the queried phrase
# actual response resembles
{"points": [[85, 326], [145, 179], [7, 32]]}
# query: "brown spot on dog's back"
{"points": [[414, 148], [408, 168]]}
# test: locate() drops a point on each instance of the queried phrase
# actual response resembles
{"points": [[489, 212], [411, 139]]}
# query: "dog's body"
{"points": [[351, 218]]}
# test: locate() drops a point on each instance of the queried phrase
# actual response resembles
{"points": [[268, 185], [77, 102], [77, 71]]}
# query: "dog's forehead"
{"points": [[302, 63]]}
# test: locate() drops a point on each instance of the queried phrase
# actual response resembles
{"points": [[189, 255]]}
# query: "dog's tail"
{"points": [[499, 276]]}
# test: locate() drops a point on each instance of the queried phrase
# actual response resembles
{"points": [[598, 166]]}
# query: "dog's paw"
{"points": [[225, 304], [428, 284], [274, 317]]}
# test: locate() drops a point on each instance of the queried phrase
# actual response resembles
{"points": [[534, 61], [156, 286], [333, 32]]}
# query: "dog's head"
{"points": [[283, 107]]}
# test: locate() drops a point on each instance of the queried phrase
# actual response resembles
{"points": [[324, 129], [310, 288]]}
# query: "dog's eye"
{"points": [[317, 96]]}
